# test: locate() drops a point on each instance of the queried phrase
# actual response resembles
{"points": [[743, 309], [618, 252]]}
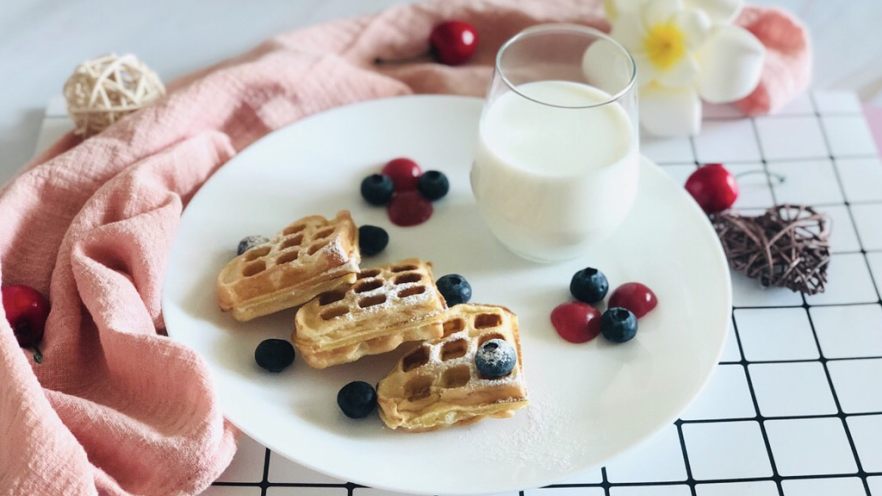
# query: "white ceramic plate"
{"points": [[588, 402]]}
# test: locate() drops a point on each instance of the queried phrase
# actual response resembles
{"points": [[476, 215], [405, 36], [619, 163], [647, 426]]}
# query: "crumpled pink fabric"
{"points": [[116, 407], [787, 69]]}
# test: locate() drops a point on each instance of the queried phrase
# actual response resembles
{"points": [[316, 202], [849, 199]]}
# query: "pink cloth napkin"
{"points": [[115, 407], [787, 68]]}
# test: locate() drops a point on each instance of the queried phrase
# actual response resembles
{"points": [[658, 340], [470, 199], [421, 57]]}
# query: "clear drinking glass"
{"points": [[557, 163]]}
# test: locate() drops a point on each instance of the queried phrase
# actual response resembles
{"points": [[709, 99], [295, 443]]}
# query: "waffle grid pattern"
{"points": [[344, 324], [446, 369], [395, 285], [297, 241]]}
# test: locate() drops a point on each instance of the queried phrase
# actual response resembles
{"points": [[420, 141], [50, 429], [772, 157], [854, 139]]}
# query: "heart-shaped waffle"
{"points": [[788, 246], [438, 385], [310, 256], [384, 307]]}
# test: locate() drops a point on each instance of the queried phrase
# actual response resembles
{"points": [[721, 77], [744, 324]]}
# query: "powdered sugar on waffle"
{"points": [[335, 249], [392, 303], [390, 291], [436, 365]]}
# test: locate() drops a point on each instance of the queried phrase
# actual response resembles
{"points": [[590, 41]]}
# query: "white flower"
{"points": [[685, 50]]}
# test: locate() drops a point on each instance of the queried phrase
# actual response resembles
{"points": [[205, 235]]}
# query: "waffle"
{"points": [[437, 385], [310, 256], [385, 307]]}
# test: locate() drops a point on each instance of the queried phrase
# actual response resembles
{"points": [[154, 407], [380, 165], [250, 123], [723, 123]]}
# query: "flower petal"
{"points": [[695, 25], [670, 111], [720, 11], [646, 71], [683, 73], [629, 31], [613, 8], [605, 67], [659, 11], [730, 62], [610, 10]]}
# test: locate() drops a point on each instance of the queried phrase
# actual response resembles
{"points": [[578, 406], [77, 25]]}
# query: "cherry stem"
{"points": [[779, 178], [38, 355]]}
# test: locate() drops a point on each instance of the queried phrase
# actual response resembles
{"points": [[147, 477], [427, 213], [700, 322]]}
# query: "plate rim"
{"points": [[646, 163]]}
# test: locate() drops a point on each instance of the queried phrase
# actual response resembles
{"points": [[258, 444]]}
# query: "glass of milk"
{"points": [[557, 163]]}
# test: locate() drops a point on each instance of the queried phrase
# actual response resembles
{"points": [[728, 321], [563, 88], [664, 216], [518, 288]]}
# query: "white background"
{"points": [[41, 41]]}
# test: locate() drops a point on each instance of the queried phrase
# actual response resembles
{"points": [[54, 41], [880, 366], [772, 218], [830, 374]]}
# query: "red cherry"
{"points": [[405, 173], [453, 42], [409, 208], [26, 310], [713, 187], [576, 322], [636, 297]]}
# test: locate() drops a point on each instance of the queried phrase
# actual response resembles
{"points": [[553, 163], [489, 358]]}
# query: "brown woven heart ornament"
{"points": [[787, 246]]}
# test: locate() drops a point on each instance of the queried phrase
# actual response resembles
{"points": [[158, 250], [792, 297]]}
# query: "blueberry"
{"points": [[377, 189], [618, 325], [433, 185], [249, 242], [495, 358], [589, 285], [357, 399], [372, 239], [274, 355], [455, 289]]}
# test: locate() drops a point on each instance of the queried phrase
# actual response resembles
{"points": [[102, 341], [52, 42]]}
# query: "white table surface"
{"points": [[41, 41]]}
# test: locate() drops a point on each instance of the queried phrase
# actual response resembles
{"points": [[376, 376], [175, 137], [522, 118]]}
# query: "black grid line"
{"points": [[807, 360], [586, 484], [606, 485], [807, 113], [813, 305], [744, 364], [682, 440], [264, 482], [777, 417], [842, 417], [858, 156]]}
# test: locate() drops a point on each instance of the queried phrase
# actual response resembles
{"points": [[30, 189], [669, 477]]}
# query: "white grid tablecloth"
{"points": [[795, 406]]}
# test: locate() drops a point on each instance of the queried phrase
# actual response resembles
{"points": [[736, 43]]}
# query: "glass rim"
{"points": [[573, 28]]}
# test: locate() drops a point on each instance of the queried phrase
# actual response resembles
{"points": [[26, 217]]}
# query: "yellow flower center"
{"points": [[665, 45]]}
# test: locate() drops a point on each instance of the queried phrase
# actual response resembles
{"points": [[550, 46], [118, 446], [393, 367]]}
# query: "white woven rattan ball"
{"points": [[103, 90]]}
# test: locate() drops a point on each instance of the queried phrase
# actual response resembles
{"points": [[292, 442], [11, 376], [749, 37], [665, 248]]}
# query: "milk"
{"points": [[548, 180]]}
